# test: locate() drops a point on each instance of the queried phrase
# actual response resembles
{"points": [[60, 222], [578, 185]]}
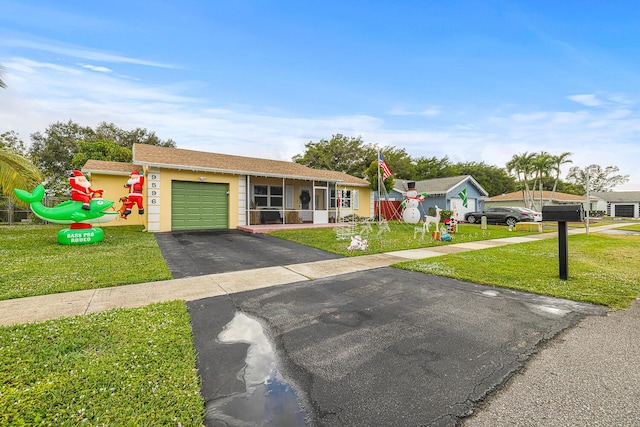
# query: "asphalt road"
{"points": [[198, 253], [380, 347]]}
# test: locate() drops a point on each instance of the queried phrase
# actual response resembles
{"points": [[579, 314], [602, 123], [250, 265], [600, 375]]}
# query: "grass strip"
{"points": [[120, 367], [603, 269], [34, 263]]}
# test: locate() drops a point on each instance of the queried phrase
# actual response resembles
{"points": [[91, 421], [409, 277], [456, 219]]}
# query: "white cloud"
{"points": [[96, 68], [589, 100], [80, 52], [40, 94], [428, 112]]}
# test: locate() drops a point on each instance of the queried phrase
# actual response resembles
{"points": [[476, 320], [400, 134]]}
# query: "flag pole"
{"points": [[379, 194]]}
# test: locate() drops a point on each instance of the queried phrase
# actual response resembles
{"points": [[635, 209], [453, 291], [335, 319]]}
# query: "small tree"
{"points": [[600, 180]]}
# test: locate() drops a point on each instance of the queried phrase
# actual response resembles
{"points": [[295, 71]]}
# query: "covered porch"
{"points": [[283, 201]]}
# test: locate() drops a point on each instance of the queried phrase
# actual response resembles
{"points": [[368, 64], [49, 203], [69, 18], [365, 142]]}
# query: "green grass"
{"points": [[120, 367], [603, 269], [631, 227], [34, 263], [399, 238]]}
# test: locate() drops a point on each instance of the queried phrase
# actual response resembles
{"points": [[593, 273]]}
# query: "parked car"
{"points": [[537, 216], [500, 214]]}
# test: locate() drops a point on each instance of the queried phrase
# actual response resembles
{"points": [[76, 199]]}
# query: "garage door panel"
{"points": [[624, 210], [199, 205]]}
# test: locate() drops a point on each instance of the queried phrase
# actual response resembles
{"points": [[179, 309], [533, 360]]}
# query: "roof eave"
{"points": [[239, 172]]}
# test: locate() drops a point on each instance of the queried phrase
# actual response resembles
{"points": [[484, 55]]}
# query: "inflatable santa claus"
{"points": [[81, 190], [134, 184]]}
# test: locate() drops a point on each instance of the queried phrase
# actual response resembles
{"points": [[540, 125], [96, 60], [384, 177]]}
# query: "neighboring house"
{"points": [[189, 190], [444, 193], [516, 199], [619, 203]]}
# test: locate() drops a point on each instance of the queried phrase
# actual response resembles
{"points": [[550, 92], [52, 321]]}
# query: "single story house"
{"points": [[516, 199], [619, 203], [192, 190], [446, 193]]}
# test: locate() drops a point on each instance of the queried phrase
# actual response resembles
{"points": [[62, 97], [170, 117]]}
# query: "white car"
{"points": [[537, 216]]}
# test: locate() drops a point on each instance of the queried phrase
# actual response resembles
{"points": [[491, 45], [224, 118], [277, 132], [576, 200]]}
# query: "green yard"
{"points": [[137, 366]]}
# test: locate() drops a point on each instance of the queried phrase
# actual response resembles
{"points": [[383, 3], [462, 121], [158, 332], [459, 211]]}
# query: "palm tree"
{"points": [[17, 172], [520, 164], [541, 164], [559, 160]]}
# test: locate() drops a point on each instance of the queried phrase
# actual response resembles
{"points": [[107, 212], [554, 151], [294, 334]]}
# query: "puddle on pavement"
{"points": [[545, 309], [269, 400], [491, 293]]}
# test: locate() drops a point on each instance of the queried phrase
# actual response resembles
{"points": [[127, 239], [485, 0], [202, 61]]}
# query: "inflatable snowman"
{"points": [[411, 214]]}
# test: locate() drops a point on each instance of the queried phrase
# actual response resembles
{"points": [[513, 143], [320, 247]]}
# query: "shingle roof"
{"points": [[177, 158], [618, 196], [109, 168], [438, 185], [546, 195]]}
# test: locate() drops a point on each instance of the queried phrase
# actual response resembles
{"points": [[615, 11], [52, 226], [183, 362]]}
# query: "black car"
{"points": [[500, 214]]}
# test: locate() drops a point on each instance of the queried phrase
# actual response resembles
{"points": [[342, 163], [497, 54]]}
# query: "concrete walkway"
{"points": [[39, 308]]}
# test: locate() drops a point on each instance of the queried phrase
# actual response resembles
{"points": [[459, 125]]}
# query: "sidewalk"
{"points": [[39, 308]]}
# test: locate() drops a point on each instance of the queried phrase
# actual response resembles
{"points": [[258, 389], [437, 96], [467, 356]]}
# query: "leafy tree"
{"points": [[53, 152], [341, 153], [371, 175], [520, 166], [12, 141], [16, 171], [100, 150], [430, 167], [600, 180], [399, 162], [110, 132], [59, 148], [493, 179]]}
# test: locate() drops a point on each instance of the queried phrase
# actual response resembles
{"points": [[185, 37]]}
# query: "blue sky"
{"points": [[470, 79]]}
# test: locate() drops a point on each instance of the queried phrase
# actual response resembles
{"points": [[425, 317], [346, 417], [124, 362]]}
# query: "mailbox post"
{"points": [[562, 214]]}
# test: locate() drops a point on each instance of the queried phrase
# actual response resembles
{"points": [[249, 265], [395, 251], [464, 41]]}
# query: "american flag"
{"points": [[386, 172]]}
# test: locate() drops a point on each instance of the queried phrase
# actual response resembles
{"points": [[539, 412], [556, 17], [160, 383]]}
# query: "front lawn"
{"points": [[34, 263], [132, 367], [400, 237], [603, 268]]}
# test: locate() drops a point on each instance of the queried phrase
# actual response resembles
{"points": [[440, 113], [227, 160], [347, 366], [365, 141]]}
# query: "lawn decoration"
{"points": [[134, 184], [126, 207], [463, 196], [383, 227], [411, 214], [428, 220], [358, 244], [79, 214], [81, 190]]}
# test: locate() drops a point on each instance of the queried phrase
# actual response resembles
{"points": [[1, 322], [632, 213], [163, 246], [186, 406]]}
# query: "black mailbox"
{"points": [[563, 213]]}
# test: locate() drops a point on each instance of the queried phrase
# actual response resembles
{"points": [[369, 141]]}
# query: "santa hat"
{"points": [[75, 173], [135, 173]]}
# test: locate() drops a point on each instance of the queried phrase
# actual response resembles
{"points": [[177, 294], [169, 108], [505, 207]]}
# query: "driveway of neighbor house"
{"points": [[379, 347]]}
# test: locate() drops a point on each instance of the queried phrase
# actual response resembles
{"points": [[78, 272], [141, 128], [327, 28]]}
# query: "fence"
{"points": [[12, 214]]}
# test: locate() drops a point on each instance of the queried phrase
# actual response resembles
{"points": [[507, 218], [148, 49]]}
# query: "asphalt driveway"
{"points": [[197, 253], [379, 347]]}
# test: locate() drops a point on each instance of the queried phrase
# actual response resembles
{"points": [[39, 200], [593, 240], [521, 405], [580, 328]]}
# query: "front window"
{"points": [[341, 198], [268, 196]]}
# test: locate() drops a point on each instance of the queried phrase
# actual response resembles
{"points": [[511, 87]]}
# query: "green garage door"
{"points": [[199, 205]]}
